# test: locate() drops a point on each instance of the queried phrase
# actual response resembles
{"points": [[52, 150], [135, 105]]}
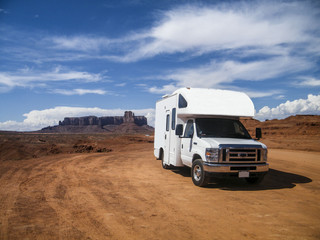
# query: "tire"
{"points": [[255, 180], [198, 175], [164, 165]]}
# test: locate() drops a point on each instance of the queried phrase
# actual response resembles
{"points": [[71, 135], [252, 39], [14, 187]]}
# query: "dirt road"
{"points": [[125, 194]]}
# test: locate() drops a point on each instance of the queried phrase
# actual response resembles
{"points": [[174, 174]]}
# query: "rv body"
{"points": [[200, 129]]}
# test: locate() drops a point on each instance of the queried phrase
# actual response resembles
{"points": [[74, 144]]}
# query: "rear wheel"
{"points": [[198, 174], [164, 165]]}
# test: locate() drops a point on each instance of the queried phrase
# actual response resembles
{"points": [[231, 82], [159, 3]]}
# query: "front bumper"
{"points": [[235, 168]]}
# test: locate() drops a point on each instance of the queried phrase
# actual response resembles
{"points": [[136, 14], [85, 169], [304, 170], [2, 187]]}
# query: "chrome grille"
{"points": [[237, 155]]}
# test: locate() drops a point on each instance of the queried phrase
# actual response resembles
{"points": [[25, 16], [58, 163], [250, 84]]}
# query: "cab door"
{"points": [[187, 144], [166, 153]]}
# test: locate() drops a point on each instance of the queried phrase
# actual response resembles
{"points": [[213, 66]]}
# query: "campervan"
{"points": [[201, 129]]}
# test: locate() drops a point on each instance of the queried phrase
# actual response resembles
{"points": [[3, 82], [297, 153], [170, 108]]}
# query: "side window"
{"points": [[173, 121], [167, 122], [189, 129], [182, 102]]}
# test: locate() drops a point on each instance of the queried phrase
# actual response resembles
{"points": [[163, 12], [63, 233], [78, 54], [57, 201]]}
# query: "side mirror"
{"points": [[179, 129], [258, 133]]}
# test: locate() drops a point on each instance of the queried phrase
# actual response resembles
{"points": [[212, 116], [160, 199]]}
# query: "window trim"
{"points": [[182, 103], [167, 122], [173, 119], [186, 129]]}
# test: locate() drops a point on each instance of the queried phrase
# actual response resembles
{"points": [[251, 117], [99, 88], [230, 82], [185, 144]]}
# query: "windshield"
{"points": [[219, 127]]}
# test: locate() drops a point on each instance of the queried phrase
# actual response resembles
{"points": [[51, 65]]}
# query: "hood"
{"points": [[215, 142]]}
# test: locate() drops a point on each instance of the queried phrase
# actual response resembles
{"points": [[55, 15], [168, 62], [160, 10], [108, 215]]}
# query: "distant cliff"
{"points": [[129, 123], [102, 121]]}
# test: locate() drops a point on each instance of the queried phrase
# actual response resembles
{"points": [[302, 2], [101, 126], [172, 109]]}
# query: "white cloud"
{"points": [[30, 78], [37, 119], [257, 94], [267, 26], [311, 105], [309, 82], [121, 84], [280, 97], [79, 91], [166, 89], [222, 74], [217, 73], [82, 43]]}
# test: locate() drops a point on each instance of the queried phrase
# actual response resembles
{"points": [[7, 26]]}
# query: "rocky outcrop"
{"points": [[128, 123], [103, 121]]}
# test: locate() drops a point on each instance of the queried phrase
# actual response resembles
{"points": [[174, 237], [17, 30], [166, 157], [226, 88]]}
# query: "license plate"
{"points": [[243, 174]]}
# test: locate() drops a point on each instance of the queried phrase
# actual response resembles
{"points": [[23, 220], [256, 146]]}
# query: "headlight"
{"points": [[212, 154], [265, 154]]}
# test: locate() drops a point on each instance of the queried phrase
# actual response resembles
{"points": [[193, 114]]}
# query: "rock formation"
{"points": [[92, 124], [102, 121]]}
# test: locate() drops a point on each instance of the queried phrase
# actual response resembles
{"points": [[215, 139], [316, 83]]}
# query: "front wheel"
{"points": [[198, 174]]}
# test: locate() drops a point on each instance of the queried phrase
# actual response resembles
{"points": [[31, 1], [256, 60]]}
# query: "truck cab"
{"points": [[221, 147]]}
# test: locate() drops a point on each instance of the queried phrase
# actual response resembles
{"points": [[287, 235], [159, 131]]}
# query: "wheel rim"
{"points": [[197, 173]]}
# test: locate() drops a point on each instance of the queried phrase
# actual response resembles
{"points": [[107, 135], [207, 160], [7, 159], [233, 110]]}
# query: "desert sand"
{"points": [[73, 186]]}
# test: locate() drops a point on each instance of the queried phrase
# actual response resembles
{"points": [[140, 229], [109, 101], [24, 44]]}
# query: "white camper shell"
{"points": [[200, 128]]}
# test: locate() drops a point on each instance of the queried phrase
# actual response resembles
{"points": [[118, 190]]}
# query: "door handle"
{"points": [[182, 146], [195, 143]]}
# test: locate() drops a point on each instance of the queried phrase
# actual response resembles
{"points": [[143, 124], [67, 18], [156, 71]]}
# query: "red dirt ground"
{"points": [[98, 186]]}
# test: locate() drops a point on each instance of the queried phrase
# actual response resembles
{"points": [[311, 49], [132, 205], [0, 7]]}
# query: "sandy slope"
{"points": [[301, 132], [125, 194]]}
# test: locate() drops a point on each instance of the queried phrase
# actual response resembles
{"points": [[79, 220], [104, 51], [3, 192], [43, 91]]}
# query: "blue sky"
{"points": [[76, 58]]}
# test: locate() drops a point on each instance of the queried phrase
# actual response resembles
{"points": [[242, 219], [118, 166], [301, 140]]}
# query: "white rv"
{"points": [[200, 129]]}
